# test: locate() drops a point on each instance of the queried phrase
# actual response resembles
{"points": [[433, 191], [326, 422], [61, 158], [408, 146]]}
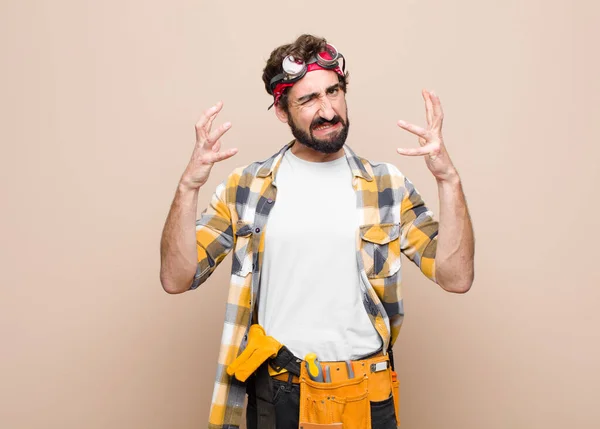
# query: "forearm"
{"points": [[454, 264], [178, 251]]}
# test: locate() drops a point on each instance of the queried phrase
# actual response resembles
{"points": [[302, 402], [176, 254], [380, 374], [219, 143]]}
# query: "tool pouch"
{"points": [[260, 348], [346, 403], [338, 405]]}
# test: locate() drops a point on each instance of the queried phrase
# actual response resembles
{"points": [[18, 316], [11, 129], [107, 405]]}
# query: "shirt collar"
{"points": [[357, 164]]}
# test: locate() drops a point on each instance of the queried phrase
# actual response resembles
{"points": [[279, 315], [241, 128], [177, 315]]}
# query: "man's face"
{"points": [[318, 115]]}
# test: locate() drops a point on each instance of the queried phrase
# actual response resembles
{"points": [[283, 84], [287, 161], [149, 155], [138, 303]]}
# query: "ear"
{"points": [[283, 117]]}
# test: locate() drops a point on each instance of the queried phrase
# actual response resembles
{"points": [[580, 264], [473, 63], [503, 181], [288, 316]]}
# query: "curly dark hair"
{"points": [[304, 47]]}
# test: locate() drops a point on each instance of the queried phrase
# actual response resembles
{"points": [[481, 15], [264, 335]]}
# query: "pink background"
{"points": [[98, 105]]}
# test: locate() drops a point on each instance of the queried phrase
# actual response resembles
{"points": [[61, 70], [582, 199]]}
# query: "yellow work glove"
{"points": [[260, 348]]}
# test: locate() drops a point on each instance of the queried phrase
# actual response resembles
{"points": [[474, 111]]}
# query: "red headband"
{"points": [[278, 91]]}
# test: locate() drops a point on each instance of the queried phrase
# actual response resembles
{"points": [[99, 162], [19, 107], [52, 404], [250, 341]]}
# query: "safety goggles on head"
{"points": [[294, 69]]}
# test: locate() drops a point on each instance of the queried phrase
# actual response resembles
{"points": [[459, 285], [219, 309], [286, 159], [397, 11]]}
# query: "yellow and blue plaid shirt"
{"points": [[393, 220]]}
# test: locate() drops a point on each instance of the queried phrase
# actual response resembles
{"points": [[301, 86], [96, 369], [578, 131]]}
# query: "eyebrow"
{"points": [[315, 94]]}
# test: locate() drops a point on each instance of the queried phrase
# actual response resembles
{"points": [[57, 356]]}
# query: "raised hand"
{"points": [[207, 150], [430, 139]]}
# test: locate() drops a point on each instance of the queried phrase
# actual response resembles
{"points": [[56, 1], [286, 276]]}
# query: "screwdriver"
{"points": [[313, 367], [327, 372], [350, 369]]}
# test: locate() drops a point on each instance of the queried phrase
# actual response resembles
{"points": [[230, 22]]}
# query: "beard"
{"points": [[330, 144]]}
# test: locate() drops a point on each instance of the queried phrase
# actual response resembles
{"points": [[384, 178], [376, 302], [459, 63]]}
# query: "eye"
{"points": [[334, 91]]}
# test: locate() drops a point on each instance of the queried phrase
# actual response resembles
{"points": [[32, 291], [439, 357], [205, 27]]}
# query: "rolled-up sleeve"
{"points": [[419, 231], [214, 235]]}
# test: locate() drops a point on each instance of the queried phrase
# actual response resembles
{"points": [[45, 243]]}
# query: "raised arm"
{"points": [[454, 256], [180, 247]]}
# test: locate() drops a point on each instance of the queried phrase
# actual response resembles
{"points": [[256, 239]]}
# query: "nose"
{"points": [[326, 110]]}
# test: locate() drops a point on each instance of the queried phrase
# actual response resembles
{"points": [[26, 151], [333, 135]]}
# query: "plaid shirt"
{"points": [[393, 219]]}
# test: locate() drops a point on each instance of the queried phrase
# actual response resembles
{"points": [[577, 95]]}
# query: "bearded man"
{"points": [[317, 232]]}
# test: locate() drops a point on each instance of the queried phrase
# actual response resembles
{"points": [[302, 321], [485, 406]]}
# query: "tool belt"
{"points": [[346, 402], [343, 402]]}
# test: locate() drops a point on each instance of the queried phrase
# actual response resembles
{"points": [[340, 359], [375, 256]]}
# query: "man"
{"points": [[317, 234]]}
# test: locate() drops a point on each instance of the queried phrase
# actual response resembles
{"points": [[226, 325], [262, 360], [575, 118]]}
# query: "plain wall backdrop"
{"points": [[98, 106]]}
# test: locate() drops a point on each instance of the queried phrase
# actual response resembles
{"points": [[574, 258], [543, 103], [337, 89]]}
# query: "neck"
{"points": [[311, 155]]}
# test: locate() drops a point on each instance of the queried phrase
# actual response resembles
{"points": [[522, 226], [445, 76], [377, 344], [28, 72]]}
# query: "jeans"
{"points": [[286, 398]]}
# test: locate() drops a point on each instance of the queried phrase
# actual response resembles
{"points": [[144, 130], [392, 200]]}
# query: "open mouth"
{"points": [[326, 127]]}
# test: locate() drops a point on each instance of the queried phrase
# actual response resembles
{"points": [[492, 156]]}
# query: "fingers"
{"points": [[430, 138], [220, 156], [418, 151], [428, 107], [438, 113], [208, 144], [418, 131], [214, 136], [218, 107], [205, 121]]}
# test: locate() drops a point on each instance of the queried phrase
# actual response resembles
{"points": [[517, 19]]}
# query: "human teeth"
{"points": [[322, 127]]}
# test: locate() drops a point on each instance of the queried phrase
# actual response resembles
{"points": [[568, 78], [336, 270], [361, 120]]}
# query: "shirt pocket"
{"points": [[242, 256], [380, 249]]}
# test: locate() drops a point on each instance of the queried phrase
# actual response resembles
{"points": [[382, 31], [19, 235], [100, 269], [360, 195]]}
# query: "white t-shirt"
{"points": [[310, 297]]}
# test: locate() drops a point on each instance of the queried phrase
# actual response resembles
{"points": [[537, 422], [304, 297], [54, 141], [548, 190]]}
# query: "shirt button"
{"points": [[257, 230]]}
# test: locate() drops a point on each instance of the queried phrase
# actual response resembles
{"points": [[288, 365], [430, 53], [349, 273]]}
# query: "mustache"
{"points": [[320, 121]]}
